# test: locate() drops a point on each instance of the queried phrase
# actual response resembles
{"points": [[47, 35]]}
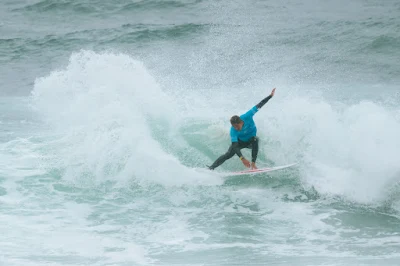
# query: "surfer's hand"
{"points": [[273, 92], [246, 163]]}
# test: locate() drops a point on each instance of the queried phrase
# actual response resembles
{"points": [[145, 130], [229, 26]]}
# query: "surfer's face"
{"points": [[238, 126]]}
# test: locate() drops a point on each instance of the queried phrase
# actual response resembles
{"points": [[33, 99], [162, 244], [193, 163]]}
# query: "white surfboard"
{"points": [[259, 170]]}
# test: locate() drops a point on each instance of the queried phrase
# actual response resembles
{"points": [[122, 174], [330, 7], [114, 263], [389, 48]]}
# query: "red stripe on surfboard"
{"points": [[253, 171]]}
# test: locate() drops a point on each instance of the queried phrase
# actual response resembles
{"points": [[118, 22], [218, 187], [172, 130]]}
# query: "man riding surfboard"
{"points": [[243, 135]]}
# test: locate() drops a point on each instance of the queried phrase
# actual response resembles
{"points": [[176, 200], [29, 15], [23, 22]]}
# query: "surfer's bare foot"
{"points": [[253, 166]]}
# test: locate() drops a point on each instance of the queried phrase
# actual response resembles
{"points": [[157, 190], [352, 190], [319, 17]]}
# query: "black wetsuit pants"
{"points": [[251, 144]]}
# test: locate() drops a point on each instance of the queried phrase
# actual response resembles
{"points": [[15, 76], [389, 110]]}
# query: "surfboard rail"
{"points": [[260, 170]]}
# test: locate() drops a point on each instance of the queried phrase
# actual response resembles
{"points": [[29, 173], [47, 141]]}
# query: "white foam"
{"points": [[104, 107], [62, 232], [344, 150]]}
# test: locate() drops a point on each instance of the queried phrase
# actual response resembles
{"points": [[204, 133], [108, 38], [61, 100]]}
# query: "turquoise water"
{"points": [[109, 113]]}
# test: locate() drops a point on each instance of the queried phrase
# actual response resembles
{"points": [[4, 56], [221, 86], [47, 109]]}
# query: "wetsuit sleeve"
{"points": [[250, 113], [264, 101]]}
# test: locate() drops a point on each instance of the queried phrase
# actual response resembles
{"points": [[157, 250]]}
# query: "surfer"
{"points": [[243, 135]]}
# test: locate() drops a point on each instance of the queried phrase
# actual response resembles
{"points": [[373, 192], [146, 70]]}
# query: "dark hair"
{"points": [[235, 119]]}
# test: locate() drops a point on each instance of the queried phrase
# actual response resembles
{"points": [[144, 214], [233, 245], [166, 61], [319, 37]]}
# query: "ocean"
{"points": [[111, 110]]}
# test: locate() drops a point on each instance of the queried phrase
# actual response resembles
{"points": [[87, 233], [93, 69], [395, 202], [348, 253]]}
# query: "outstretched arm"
{"points": [[257, 107], [265, 100]]}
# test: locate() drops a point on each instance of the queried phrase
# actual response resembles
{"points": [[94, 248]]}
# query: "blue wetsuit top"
{"points": [[249, 128]]}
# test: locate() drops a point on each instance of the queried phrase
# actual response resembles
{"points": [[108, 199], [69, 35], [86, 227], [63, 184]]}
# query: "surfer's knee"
{"points": [[230, 152]]}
